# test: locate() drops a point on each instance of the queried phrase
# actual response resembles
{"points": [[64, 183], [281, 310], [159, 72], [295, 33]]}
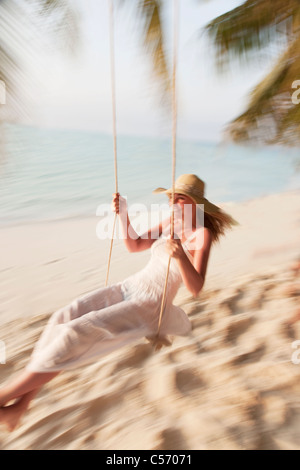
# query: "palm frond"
{"points": [[150, 14], [60, 19], [22, 24], [13, 52], [271, 117], [252, 26]]}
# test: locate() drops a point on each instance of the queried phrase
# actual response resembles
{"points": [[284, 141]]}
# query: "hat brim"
{"points": [[208, 206]]}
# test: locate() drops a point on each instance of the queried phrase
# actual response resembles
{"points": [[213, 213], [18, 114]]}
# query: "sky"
{"points": [[75, 91]]}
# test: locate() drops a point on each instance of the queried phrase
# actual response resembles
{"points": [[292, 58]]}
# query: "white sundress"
{"points": [[111, 317]]}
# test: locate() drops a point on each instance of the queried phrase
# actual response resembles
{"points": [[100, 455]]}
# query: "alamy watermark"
{"points": [[296, 94], [2, 92], [296, 354], [145, 222], [2, 353]]}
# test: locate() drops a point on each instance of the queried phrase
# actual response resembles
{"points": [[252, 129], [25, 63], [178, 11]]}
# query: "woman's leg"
{"points": [[23, 389], [92, 301], [26, 382], [26, 386]]}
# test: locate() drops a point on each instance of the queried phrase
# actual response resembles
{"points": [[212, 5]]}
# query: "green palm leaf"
{"points": [[21, 23], [149, 12], [271, 117]]}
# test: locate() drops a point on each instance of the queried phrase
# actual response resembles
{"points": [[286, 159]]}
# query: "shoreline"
{"points": [[85, 216]]}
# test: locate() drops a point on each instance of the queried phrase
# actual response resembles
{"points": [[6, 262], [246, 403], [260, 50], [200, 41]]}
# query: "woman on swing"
{"points": [[108, 318]]}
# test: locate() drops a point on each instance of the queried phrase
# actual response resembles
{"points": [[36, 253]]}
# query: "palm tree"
{"points": [[59, 19], [22, 24], [149, 17], [271, 116]]}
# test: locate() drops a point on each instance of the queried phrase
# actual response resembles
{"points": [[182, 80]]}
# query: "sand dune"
{"points": [[230, 385]]}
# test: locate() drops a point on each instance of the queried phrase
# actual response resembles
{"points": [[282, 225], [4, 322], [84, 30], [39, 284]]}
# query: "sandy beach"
{"points": [[231, 384]]}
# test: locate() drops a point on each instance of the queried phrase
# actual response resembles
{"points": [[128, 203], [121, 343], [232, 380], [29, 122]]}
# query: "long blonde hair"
{"points": [[218, 223]]}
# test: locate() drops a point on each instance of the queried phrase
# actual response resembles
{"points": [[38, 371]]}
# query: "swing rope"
{"points": [[114, 119], [156, 341]]}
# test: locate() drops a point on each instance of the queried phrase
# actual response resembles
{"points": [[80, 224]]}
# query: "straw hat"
{"points": [[193, 187]]}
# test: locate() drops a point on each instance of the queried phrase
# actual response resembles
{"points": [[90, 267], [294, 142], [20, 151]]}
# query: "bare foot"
{"points": [[10, 415]]}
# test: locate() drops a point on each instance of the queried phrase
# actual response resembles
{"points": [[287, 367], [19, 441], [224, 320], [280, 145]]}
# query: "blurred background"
{"points": [[56, 132], [232, 384]]}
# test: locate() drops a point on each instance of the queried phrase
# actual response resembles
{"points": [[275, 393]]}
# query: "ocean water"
{"points": [[50, 174]]}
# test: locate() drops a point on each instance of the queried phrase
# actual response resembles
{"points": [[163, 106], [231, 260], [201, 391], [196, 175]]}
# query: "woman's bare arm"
{"points": [[193, 274], [134, 242]]}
